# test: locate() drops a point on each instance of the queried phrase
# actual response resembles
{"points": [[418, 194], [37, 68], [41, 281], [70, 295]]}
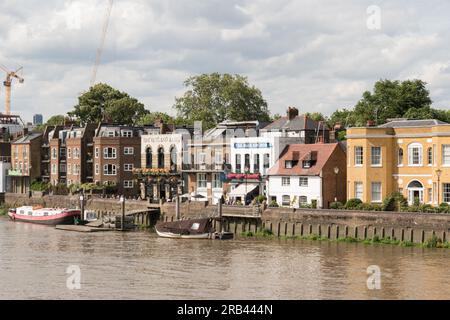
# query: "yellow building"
{"points": [[407, 156]]}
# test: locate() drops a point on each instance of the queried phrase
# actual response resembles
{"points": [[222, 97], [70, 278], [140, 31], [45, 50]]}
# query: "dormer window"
{"points": [[127, 133], [111, 134], [306, 164], [288, 164]]}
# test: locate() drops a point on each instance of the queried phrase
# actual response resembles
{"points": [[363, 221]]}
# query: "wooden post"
{"points": [[122, 200], [219, 209], [177, 206]]}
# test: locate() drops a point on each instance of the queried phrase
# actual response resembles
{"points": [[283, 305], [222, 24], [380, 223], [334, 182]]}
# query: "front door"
{"points": [[415, 194]]}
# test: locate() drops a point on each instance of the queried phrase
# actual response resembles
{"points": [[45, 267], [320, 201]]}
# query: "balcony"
{"points": [[205, 167]]}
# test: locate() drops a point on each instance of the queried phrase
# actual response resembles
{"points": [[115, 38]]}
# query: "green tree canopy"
{"points": [[151, 117], [103, 102], [389, 99], [213, 98]]}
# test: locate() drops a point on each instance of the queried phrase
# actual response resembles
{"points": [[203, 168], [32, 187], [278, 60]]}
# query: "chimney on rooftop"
{"points": [[292, 113]]}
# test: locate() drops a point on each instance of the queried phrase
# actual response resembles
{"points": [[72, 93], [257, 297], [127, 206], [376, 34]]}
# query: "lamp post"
{"points": [[438, 173], [82, 206], [336, 172], [122, 202]]}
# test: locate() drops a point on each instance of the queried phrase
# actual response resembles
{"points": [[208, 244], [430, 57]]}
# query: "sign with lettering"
{"points": [[252, 145]]}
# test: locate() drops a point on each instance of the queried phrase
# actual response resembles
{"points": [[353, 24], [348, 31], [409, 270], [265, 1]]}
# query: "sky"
{"points": [[314, 55]]}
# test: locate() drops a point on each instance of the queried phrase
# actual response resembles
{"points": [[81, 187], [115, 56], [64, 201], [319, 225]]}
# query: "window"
{"points": [[62, 167], [201, 180], [286, 201], [415, 154], [109, 153], [430, 156], [446, 154], [256, 163], [128, 184], [285, 181], [69, 168], [76, 153], [128, 167], [288, 164], [127, 133], [109, 170], [97, 169], [128, 151], [54, 168], [303, 181], [446, 192], [62, 152], [238, 163], [359, 190], [173, 158], [216, 182], [16, 152], [148, 158], [218, 157], [306, 164], [303, 200], [430, 195], [97, 153], [375, 156], [359, 156], [76, 169], [266, 162], [54, 153], [376, 191], [247, 162], [400, 157], [111, 134], [161, 158], [69, 153]]}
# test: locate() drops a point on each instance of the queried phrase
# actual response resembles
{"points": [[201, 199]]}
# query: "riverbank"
{"points": [[433, 242]]}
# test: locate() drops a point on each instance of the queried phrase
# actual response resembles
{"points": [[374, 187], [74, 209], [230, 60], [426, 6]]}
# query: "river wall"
{"points": [[332, 224]]}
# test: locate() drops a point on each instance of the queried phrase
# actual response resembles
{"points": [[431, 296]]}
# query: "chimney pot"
{"points": [[292, 113]]}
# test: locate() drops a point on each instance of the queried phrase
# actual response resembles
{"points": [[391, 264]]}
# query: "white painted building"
{"points": [[294, 191]]}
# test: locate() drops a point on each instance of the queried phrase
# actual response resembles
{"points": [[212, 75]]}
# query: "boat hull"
{"points": [[63, 218], [182, 236]]}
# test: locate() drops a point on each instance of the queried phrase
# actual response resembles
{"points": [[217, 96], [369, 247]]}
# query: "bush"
{"points": [[260, 199], [394, 202], [39, 186], [336, 205], [60, 189], [352, 204], [314, 204], [273, 204], [444, 208], [369, 207]]}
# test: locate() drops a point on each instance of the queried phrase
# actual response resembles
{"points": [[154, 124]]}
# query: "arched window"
{"points": [[173, 158], [148, 158], [161, 158], [415, 154], [400, 156]]}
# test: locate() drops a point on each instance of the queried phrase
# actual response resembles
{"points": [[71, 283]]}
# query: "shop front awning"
{"points": [[243, 189]]}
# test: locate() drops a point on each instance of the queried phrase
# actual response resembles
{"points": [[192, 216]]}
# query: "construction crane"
{"points": [[10, 75], [102, 42]]}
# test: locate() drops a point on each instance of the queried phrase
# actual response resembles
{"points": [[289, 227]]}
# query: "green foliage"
{"points": [[59, 189], [57, 120], [260, 198], [213, 98], [444, 208], [433, 242], [38, 185], [103, 102], [151, 117], [394, 202], [369, 207], [352, 204], [273, 204], [314, 204], [336, 205]]}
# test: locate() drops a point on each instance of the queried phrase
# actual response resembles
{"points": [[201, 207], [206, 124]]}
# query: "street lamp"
{"points": [[82, 206], [336, 172], [438, 173], [122, 201]]}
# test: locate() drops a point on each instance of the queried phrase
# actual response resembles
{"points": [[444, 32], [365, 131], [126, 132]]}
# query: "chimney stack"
{"points": [[292, 113]]}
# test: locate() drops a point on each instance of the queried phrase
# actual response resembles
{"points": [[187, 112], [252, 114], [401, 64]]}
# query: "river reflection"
{"points": [[138, 265]]}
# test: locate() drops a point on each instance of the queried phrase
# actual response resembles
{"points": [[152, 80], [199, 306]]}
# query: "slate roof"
{"points": [[403, 123], [296, 124], [28, 137], [323, 150]]}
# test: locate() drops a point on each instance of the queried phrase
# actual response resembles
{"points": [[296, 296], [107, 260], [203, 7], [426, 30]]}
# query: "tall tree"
{"points": [[215, 97], [103, 102]]}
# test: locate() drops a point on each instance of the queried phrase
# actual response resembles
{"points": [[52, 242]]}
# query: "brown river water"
{"points": [[138, 265]]}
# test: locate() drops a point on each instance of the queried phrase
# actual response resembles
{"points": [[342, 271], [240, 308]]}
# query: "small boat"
{"points": [[40, 215], [186, 229]]}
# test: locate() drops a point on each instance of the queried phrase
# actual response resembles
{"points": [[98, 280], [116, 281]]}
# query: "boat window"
{"points": [[195, 226], [21, 212], [45, 214], [30, 213]]}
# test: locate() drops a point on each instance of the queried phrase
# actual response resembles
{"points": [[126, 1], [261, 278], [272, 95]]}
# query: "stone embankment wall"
{"points": [[414, 227]]}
